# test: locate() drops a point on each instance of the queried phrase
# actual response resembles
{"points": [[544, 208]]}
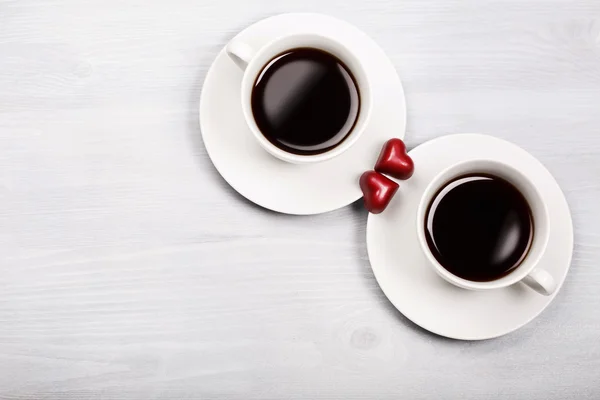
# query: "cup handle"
{"points": [[240, 53], [540, 281]]}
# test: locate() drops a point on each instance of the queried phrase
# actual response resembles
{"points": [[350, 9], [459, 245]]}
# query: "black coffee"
{"points": [[479, 227], [305, 101]]}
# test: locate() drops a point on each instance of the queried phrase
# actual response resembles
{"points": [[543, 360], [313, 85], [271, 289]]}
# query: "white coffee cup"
{"points": [[254, 60], [528, 271]]}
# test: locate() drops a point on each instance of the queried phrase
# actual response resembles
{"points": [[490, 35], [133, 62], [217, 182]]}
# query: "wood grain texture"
{"points": [[130, 270]]}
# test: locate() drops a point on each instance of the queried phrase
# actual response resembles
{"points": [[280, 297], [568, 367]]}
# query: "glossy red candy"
{"points": [[394, 161], [378, 191]]}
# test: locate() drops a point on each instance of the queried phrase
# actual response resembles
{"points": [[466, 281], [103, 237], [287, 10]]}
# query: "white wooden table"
{"points": [[130, 270]]}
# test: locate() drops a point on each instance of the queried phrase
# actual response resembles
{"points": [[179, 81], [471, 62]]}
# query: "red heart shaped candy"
{"points": [[378, 191], [394, 161]]}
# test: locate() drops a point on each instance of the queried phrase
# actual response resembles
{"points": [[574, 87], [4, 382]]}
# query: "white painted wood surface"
{"points": [[130, 270]]}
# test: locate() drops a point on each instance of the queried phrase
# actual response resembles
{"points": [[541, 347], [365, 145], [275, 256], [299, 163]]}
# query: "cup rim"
{"points": [[256, 66], [530, 261]]}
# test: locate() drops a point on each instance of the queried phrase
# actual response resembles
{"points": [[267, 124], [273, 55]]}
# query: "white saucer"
{"points": [[414, 287], [280, 186]]}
